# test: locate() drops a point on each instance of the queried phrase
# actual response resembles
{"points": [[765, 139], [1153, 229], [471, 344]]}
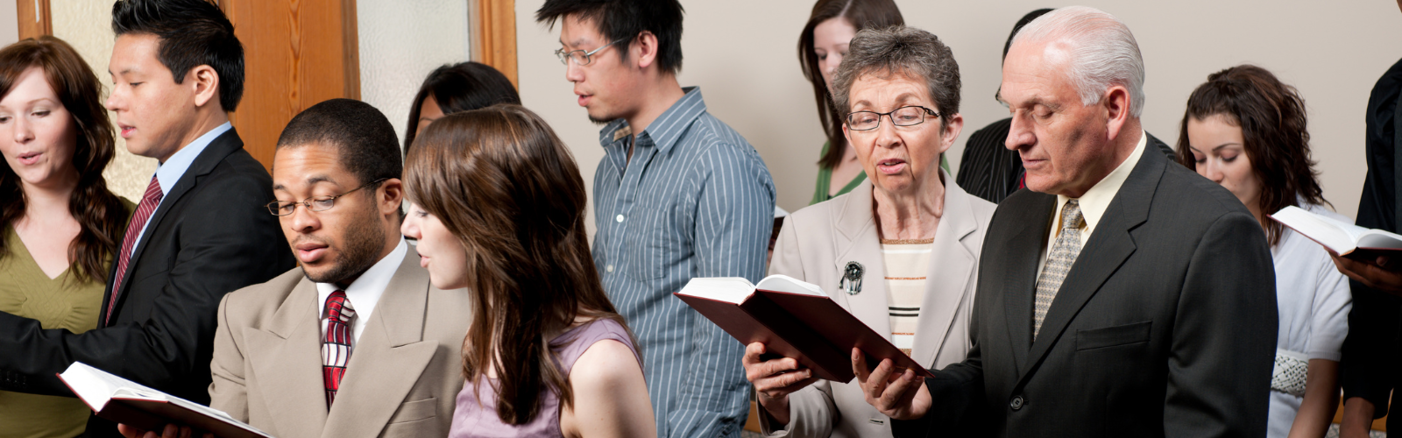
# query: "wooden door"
{"points": [[296, 54]]}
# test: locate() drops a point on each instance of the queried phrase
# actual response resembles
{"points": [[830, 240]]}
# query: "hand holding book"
{"points": [[774, 378]]}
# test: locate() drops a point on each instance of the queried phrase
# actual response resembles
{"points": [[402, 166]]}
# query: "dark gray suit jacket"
{"points": [[1165, 325]]}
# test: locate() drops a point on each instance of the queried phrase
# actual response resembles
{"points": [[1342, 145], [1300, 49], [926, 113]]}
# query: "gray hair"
{"points": [[1102, 50], [895, 50]]}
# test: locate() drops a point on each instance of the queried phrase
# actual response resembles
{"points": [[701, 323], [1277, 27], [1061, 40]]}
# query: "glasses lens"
{"points": [[278, 209], [863, 120], [907, 116], [580, 57], [323, 204]]}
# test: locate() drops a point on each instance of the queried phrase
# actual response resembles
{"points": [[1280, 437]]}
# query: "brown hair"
{"points": [[100, 214], [1272, 120], [504, 184], [861, 14]]}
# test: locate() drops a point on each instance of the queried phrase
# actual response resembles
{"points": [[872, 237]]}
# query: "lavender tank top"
{"points": [[474, 419]]}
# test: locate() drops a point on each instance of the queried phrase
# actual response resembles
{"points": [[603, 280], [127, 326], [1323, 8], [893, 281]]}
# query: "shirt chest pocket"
{"points": [[657, 244]]}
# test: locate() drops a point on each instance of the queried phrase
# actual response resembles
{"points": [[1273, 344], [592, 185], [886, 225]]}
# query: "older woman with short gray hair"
{"points": [[900, 251]]}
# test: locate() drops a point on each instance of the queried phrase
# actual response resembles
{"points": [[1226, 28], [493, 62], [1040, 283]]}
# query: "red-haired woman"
{"points": [[59, 225]]}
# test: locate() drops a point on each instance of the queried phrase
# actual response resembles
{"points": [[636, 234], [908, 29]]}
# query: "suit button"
{"points": [[1017, 403]]}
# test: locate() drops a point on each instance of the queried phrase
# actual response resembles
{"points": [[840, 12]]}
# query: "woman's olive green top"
{"points": [[57, 303], [821, 194]]}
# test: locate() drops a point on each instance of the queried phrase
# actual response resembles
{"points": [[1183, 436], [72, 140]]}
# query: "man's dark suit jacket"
{"points": [[210, 236], [1369, 366], [1165, 325], [991, 171]]}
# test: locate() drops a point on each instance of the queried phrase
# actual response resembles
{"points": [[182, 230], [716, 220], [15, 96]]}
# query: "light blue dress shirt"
{"points": [[169, 172], [695, 201]]}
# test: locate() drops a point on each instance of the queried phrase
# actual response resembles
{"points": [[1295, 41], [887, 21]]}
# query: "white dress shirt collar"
{"points": [[364, 293]]}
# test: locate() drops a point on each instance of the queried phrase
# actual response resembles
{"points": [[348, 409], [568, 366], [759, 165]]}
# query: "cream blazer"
{"points": [[402, 380], [842, 230]]}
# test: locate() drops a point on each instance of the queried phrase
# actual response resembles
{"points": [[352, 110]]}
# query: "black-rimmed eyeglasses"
{"points": [[580, 57], [903, 116], [318, 203]]}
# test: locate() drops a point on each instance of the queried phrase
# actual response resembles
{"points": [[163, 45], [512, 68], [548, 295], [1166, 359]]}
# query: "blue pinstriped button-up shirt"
{"points": [[695, 201]]}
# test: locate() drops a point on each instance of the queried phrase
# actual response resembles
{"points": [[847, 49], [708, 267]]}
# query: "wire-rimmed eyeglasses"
{"points": [[317, 203], [903, 116], [580, 57]]}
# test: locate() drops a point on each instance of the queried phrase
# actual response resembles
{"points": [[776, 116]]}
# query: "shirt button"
{"points": [[618, 218], [609, 268], [1017, 403]]}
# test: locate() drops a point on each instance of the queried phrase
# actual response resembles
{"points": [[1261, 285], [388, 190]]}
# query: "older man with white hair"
{"points": [[1123, 295]]}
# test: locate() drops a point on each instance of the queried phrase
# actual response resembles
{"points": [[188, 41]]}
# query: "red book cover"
{"points": [[800, 323]]}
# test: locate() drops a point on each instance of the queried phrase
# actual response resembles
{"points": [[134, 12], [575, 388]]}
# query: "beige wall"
{"points": [[743, 55], [9, 23]]}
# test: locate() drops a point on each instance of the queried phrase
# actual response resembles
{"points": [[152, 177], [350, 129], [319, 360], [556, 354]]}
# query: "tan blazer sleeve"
{"points": [[811, 409], [228, 391]]}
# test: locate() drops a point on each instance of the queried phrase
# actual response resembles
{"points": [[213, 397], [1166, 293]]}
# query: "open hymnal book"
{"points": [[793, 319], [130, 403], [1343, 238]]}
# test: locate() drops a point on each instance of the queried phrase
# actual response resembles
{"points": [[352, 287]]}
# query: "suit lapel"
{"points": [[858, 242], [1108, 248], [1019, 272], [389, 358], [951, 264], [220, 147], [286, 357]]}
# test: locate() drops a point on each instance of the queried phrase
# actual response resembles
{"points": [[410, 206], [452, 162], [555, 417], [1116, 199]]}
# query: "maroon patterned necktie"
{"points": [[134, 227], [336, 342]]}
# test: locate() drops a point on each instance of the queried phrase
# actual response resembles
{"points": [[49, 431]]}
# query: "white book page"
{"points": [[727, 289], [1379, 239], [1355, 233], [784, 283], [1333, 234], [97, 387]]}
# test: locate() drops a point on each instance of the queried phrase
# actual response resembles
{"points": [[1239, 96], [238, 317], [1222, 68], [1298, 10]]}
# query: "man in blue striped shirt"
{"points": [[678, 195]]}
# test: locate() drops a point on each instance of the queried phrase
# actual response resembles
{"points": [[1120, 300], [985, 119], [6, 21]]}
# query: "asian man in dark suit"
{"points": [[1123, 295], [200, 231]]}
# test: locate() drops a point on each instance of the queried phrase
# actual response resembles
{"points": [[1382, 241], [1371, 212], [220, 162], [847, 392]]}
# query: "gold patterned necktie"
{"points": [[1059, 260]]}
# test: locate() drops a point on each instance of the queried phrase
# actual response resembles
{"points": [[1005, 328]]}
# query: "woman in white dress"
{"points": [[1245, 130]]}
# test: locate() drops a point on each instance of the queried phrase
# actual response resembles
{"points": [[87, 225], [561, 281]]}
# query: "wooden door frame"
{"points": [[42, 24], [493, 26]]}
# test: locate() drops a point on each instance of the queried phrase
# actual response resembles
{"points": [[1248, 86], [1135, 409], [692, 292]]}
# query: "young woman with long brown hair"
{"points": [[498, 208], [1245, 130], [59, 225]]}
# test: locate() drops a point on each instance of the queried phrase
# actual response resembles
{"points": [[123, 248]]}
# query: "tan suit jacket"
{"points": [[402, 379], [842, 230]]}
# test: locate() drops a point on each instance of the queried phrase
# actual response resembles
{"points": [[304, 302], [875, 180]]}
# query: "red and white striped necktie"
{"points": [[336, 342]]}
